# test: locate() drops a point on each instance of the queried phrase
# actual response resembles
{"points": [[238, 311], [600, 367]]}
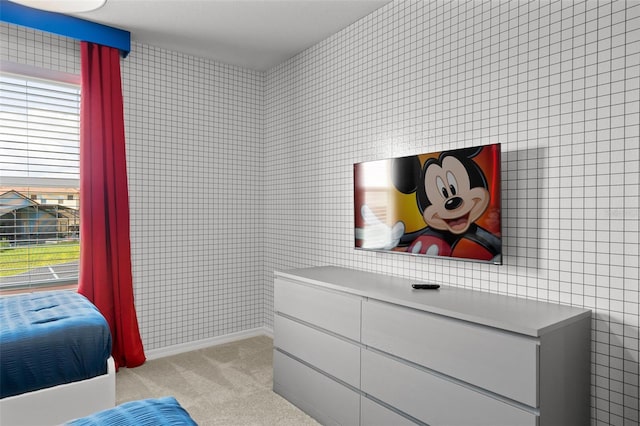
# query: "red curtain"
{"points": [[105, 250]]}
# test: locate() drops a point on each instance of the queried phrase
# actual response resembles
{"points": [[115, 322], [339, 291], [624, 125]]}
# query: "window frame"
{"points": [[30, 284]]}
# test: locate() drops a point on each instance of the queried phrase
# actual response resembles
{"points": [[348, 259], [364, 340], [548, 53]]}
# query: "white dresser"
{"points": [[358, 348]]}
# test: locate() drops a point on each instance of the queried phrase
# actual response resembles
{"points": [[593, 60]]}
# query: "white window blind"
{"points": [[39, 182]]}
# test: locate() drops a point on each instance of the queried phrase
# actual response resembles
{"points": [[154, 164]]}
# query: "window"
{"points": [[39, 182]]}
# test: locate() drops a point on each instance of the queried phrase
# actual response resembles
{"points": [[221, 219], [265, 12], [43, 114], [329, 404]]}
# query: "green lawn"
{"points": [[15, 261]]}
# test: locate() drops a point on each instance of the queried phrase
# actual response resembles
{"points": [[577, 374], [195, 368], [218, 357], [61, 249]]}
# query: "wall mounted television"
{"points": [[439, 204]]}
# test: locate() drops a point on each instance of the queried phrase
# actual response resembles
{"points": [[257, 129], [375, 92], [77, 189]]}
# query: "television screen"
{"points": [[441, 204]]}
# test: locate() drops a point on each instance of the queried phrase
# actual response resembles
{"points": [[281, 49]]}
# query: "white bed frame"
{"points": [[59, 404]]}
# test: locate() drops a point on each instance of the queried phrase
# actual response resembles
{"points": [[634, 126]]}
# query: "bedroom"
{"points": [[259, 168]]}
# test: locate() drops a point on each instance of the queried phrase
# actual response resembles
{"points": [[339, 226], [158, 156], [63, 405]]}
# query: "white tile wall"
{"points": [[235, 173], [194, 146], [557, 83], [38, 49]]}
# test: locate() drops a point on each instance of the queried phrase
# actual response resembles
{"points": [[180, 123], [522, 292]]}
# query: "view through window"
{"points": [[39, 183]]}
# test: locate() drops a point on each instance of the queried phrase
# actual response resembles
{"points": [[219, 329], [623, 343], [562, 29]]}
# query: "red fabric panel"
{"points": [[105, 249]]}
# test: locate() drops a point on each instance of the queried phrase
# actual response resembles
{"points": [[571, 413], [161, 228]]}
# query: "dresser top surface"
{"points": [[519, 315]]}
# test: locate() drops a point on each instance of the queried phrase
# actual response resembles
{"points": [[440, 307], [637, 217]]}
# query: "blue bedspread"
{"points": [[145, 412], [49, 338]]}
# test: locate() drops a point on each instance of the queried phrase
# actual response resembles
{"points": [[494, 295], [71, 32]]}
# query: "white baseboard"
{"points": [[201, 344]]}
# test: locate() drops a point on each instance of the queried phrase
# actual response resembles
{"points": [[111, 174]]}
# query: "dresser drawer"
{"points": [[501, 362], [433, 399], [337, 312], [374, 414], [327, 401], [330, 354]]}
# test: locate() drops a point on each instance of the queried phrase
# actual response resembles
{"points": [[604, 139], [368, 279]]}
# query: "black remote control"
{"points": [[418, 286]]}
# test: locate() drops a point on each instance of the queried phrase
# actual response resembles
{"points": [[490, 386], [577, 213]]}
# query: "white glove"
{"points": [[376, 234]]}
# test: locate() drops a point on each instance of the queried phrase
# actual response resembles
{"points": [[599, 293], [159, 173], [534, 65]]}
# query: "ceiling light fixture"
{"points": [[63, 6]]}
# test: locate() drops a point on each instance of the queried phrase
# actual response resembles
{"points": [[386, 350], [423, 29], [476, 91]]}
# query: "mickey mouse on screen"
{"points": [[452, 193]]}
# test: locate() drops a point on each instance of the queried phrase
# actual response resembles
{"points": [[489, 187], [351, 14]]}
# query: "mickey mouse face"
{"points": [[454, 204]]}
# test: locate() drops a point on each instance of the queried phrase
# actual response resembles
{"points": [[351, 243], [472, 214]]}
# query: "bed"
{"points": [[165, 411], [55, 352]]}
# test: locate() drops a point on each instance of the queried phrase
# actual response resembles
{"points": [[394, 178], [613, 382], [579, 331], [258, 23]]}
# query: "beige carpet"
{"points": [[228, 384]]}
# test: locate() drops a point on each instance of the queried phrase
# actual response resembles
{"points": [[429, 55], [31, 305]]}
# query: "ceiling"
{"points": [[254, 34]]}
